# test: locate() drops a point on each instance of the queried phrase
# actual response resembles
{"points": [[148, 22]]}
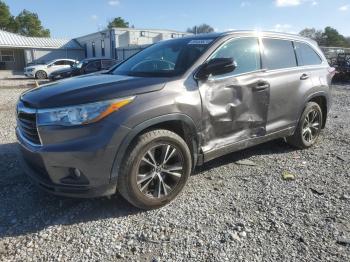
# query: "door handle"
{"points": [[304, 77], [261, 85]]}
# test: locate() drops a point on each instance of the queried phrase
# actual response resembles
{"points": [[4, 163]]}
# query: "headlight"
{"points": [[80, 114]]}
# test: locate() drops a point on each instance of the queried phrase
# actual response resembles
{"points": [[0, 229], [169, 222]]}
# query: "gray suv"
{"points": [[142, 127]]}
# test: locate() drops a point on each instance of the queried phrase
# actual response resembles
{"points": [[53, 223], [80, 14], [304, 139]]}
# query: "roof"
{"points": [[250, 32], [8, 39]]}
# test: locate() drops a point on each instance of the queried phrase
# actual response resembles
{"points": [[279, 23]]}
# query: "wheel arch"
{"points": [[322, 100], [180, 124], [41, 69]]}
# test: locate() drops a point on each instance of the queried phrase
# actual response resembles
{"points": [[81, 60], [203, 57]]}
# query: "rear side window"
{"points": [[245, 52], [70, 63], [278, 54], [60, 62], [306, 55]]}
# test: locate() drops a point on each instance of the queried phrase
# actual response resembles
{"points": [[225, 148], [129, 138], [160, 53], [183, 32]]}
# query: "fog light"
{"points": [[77, 172], [75, 177]]}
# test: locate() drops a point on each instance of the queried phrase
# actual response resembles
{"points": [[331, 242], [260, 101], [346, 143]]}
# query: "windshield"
{"points": [[78, 65], [168, 58]]}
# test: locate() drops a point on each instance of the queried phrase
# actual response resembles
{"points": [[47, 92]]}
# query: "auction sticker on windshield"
{"points": [[200, 42]]}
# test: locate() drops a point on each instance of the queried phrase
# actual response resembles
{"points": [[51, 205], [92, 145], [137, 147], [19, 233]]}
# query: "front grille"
{"points": [[26, 120]]}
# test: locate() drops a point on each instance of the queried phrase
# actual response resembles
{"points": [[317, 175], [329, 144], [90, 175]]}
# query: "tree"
{"points": [[200, 29], [348, 40], [7, 21], [118, 22], [328, 37], [333, 38], [29, 24], [314, 34]]}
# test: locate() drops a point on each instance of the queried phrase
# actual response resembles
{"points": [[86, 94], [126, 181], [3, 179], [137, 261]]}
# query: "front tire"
{"points": [[41, 74], [157, 166], [309, 127]]}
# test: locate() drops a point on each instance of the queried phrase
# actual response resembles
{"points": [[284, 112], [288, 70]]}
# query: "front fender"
{"points": [[147, 124]]}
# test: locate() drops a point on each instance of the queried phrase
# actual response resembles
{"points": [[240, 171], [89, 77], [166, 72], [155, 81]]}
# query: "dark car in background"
{"points": [[86, 66]]}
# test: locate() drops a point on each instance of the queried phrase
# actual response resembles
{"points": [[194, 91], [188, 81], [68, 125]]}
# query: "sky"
{"points": [[73, 18]]}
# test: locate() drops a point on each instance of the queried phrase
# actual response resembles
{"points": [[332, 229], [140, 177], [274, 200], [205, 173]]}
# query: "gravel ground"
{"points": [[228, 211]]}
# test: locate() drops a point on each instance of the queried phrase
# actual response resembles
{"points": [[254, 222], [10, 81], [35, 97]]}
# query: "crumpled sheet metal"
{"points": [[233, 110]]}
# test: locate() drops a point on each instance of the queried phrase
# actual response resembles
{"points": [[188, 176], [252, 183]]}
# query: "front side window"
{"points": [[164, 59], [244, 51], [106, 64], [60, 62], [278, 54], [306, 55], [93, 66]]}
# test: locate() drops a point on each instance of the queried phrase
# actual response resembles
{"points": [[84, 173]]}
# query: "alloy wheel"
{"points": [[160, 170], [311, 126], [41, 75]]}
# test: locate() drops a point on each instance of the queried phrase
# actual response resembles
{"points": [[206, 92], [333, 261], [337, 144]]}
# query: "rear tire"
{"points": [[309, 127], [41, 74], [157, 166]]}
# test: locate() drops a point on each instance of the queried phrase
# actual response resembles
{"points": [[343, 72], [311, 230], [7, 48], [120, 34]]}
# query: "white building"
{"points": [[120, 43], [16, 50]]}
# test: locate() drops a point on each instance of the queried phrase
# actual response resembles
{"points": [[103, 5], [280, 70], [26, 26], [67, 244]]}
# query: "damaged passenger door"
{"points": [[235, 104]]}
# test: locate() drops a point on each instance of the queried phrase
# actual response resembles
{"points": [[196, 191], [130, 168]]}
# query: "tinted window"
{"points": [[70, 63], [107, 64], [245, 51], [93, 66], [306, 55], [278, 54], [61, 62]]}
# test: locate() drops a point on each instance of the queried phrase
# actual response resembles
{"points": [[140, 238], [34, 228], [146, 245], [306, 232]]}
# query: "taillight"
{"points": [[332, 71]]}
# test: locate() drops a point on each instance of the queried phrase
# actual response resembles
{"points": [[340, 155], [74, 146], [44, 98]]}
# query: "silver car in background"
{"points": [[43, 71]]}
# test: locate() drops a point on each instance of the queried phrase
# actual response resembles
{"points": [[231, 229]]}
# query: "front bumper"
{"points": [[51, 167], [38, 178], [29, 74]]}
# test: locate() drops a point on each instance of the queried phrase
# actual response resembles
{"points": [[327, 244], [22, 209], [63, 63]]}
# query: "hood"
{"points": [[89, 88], [36, 67]]}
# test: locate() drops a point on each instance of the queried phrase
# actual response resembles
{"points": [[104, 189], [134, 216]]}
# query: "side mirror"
{"points": [[216, 66]]}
